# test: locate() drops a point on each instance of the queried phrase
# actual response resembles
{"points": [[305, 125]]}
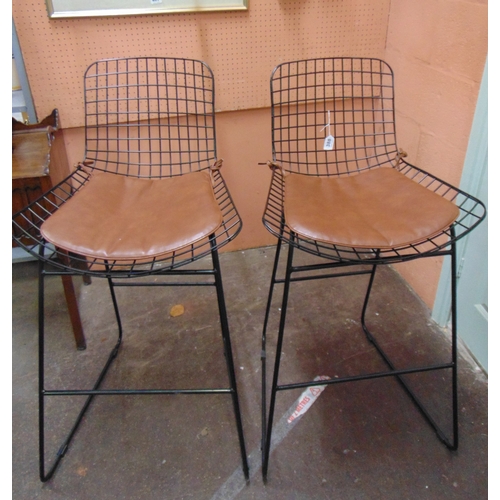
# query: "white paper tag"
{"points": [[329, 142]]}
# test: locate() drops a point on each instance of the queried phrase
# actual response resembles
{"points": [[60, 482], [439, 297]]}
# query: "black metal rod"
{"points": [[139, 392], [324, 276], [116, 284], [183, 272], [454, 341], [365, 303], [368, 376], [41, 373], [229, 354], [115, 307], [327, 265], [263, 351], [279, 346], [131, 273]]}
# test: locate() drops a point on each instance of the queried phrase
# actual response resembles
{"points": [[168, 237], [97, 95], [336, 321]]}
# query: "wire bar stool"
{"points": [[148, 199], [342, 191]]}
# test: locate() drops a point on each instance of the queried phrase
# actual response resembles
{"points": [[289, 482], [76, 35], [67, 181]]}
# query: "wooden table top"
{"points": [[31, 152]]}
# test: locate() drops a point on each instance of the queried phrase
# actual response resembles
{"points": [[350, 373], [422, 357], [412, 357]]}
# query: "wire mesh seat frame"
{"points": [[126, 133], [353, 100], [151, 118]]}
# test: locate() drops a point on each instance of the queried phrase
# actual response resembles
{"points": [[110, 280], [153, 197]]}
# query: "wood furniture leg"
{"points": [[74, 313]]}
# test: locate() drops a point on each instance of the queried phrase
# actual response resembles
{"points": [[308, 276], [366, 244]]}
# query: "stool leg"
{"points": [[454, 346], [229, 357], [368, 334], [279, 346], [453, 365], [41, 373], [115, 308], [43, 393], [263, 351]]}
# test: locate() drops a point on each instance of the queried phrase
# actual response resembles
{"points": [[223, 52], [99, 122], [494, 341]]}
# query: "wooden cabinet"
{"points": [[38, 162]]}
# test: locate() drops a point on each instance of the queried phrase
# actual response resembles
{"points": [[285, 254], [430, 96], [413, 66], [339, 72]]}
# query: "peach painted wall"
{"points": [[437, 49], [241, 47]]}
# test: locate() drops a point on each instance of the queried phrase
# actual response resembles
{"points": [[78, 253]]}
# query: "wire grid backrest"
{"points": [[149, 117], [357, 94]]}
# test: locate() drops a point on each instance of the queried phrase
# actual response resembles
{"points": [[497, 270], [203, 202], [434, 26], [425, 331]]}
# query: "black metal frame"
{"points": [[152, 118], [360, 93]]}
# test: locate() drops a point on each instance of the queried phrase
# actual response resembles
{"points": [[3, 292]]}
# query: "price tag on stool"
{"points": [[329, 142], [329, 139]]}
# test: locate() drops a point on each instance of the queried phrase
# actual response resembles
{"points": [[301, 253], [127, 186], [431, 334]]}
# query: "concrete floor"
{"points": [[364, 440]]}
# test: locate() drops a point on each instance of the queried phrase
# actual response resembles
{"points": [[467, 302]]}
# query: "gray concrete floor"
{"points": [[363, 440]]}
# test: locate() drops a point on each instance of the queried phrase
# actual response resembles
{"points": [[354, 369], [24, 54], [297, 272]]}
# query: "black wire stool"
{"points": [[342, 191], [148, 199]]}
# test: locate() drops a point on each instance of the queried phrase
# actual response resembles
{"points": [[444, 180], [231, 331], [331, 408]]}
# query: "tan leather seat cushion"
{"points": [[379, 208], [118, 217]]}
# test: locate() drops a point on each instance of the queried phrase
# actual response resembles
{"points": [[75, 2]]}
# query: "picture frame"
{"points": [[97, 8]]}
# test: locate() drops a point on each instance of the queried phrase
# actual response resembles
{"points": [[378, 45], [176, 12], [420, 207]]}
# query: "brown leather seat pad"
{"points": [[118, 217], [379, 208]]}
